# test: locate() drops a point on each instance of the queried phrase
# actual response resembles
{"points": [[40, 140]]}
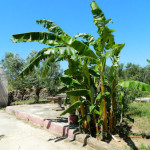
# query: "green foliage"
{"points": [[89, 83], [79, 92], [144, 147], [72, 108], [42, 37], [13, 65], [135, 84], [140, 110]]}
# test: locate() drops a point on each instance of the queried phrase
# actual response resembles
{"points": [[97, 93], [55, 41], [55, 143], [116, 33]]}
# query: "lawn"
{"points": [[140, 112]]}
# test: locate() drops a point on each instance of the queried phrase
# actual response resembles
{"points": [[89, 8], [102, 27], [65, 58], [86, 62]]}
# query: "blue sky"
{"points": [[131, 21]]}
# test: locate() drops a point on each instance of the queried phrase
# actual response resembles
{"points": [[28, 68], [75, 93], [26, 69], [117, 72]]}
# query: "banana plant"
{"points": [[104, 47], [91, 104], [112, 83], [62, 46]]}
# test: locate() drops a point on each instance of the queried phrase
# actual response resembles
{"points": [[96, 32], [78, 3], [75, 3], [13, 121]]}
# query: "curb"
{"points": [[92, 142], [47, 124], [61, 130]]}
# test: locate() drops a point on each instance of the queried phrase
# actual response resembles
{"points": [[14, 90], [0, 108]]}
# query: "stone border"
{"points": [[61, 130], [52, 126]]}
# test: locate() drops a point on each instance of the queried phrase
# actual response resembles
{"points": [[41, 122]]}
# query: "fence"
{"points": [[3, 88]]}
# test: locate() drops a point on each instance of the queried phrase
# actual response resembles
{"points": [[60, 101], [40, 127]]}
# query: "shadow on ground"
{"points": [[1, 136], [57, 139], [59, 119], [40, 102]]}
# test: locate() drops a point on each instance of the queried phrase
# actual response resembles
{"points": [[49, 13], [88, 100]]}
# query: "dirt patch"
{"points": [[141, 126]]}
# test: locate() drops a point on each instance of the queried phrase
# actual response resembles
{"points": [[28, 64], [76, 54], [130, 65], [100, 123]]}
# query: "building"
{"points": [[3, 88]]}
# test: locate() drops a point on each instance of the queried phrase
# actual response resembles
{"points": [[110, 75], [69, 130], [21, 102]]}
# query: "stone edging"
{"points": [[47, 124], [61, 130]]}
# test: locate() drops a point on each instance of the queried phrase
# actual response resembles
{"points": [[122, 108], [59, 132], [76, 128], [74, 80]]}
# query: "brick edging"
{"points": [[61, 130], [47, 124]]}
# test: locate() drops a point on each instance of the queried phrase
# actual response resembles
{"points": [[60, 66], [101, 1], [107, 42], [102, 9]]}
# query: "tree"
{"points": [[13, 65], [39, 80], [52, 73]]}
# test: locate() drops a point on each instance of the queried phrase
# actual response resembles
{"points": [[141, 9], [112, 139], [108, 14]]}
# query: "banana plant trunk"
{"points": [[104, 115], [113, 119], [82, 109], [85, 124], [96, 123]]}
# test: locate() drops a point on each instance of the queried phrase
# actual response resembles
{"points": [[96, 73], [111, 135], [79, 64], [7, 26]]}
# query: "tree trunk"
{"points": [[37, 93]]}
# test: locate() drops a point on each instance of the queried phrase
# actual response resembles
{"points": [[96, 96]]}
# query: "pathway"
{"points": [[18, 135]]}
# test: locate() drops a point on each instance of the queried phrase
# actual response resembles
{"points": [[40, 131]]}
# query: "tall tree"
{"points": [[13, 65], [45, 75]]}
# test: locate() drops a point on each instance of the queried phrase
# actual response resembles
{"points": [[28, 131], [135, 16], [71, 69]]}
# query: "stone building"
{"points": [[3, 88]]}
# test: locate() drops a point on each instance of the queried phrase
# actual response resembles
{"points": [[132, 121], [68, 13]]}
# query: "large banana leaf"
{"points": [[98, 101], [114, 51], [98, 15], [79, 92], [41, 37], [70, 81], [88, 37], [48, 52], [109, 38], [103, 30], [53, 40], [100, 112], [71, 108], [51, 26], [94, 73], [99, 18], [63, 90], [135, 84], [34, 62], [82, 48], [61, 51], [79, 46]]}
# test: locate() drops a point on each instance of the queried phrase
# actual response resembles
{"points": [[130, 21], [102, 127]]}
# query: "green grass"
{"points": [[26, 101], [140, 110], [144, 147]]}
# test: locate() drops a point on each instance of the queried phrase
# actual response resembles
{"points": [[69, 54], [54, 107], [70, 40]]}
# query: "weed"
{"points": [[41, 126]]}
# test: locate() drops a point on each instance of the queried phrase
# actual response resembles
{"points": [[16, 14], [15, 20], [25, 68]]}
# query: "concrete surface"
{"points": [[48, 116], [44, 115], [18, 135], [143, 99]]}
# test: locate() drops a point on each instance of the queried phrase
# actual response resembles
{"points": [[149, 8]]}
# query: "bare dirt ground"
{"points": [[18, 135], [140, 127]]}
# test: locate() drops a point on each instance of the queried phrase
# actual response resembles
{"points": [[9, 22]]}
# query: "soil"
{"points": [[137, 129]]}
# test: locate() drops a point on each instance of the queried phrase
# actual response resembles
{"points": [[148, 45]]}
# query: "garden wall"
{"points": [[27, 94]]}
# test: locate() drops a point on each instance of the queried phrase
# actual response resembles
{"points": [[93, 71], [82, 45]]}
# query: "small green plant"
{"points": [[41, 126], [3, 108], [144, 147]]}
